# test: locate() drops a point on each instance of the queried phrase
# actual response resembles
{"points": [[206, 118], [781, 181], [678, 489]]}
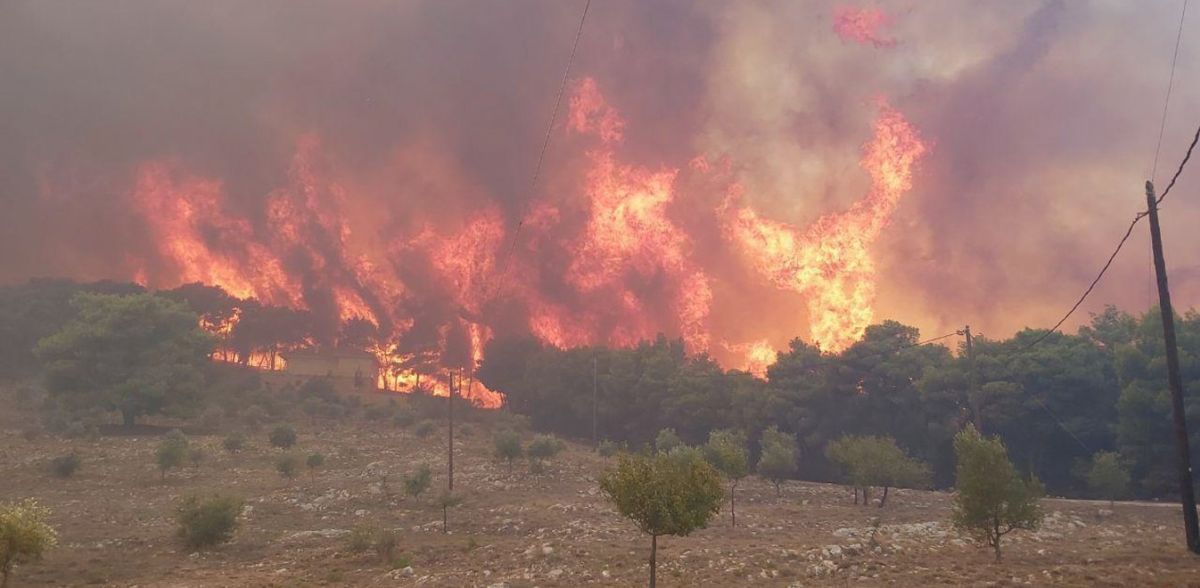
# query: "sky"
{"points": [[1041, 120]]}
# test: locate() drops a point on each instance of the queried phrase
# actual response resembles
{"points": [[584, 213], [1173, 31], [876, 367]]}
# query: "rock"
{"points": [[406, 571], [554, 574], [547, 549], [844, 532], [499, 585]]}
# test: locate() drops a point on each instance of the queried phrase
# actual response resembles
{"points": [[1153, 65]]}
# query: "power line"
{"points": [[1186, 157], [1170, 84], [537, 170]]}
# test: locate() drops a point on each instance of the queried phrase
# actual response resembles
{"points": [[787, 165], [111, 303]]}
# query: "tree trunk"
{"points": [[997, 548], [884, 498], [732, 506], [856, 496], [866, 495], [653, 558], [778, 490], [127, 417], [444, 519]]}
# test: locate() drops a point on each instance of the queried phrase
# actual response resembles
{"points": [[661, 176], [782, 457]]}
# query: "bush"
{"points": [[234, 443], [203, 523], [211, 418], [419, 482], [607, 448], [65, 466], [991, 499], [385, 545], [172, 452], [545, 447], [424, 429], [1106, 477], [24, 534], [508, 447], [254, 417], [376, 412], [667, 440], [286, 465], [196, 455], [314, 461], [404, 417], [283, 437], [361, 539]]}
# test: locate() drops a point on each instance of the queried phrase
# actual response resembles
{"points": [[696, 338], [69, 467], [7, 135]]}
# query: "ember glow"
{"points": [[862, 25]]}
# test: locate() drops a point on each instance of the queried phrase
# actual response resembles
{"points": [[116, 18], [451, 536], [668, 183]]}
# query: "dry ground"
{"points": [[519, 529]]}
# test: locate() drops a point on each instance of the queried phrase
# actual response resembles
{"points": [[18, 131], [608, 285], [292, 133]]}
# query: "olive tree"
{"points": [[876, 462], [24, 535], [663, 495], [1106, 477], [726, 451], [991, 499], [508, 447], [778, 459]]}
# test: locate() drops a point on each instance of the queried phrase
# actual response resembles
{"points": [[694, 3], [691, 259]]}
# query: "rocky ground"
{"points": [[520, 529]]}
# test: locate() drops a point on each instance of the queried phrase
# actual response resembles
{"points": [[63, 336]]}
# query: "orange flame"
{"points": [[862, 25], [830, 261]]}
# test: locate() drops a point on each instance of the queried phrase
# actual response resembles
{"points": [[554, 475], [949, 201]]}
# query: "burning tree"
{"points": [[138, 355]]}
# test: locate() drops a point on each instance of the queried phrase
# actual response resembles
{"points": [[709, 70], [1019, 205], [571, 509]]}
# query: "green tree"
{"points": [[542, 448], [172, 452], [24, 535], [286, 465], [1106, 477], [869, 461], [283, 437], [663, 495], [139, 354], [666, 440], [992, 500], [419, 481], [314, 462], [777, 461], [508, 447], [203, 523], [726, 451]]}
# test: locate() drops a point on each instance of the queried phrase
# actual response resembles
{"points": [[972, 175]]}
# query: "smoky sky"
{"points": [[1042, 117]]}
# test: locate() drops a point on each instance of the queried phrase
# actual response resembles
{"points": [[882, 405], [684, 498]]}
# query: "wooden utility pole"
{"points": [[1174, 380], [972, 381], [595, 404], [450, 444]]}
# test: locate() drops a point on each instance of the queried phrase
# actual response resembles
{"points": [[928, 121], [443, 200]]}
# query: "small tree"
{"points": [[663, 495], [24, 535], [172, 452], [448, 500], [203, 523], [992, 500], [508, 447], [418, 483], [667, 440], [879, 462], [234, 443], [286, 465], [542, 448], [283, 437], [424, 429], [778, 460], [726, 450], [196, 456], [1107, 477], [314, 461]]}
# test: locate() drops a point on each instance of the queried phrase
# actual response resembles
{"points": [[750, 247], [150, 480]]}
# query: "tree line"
{"points": [[1061, 406]]}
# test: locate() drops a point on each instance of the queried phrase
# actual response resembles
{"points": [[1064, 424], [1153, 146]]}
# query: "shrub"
{"points": [[424, 429], [403, 418], [544, 447], [234, 443], [508, 447], [607, 448], [361, 538], [286, 465], [211, 418], [196, 455], [447, 501], [663, 495], [24, 534], [376, 412], [31, 433], [466, 431], [385, 543], [667, 440], [65, 466], [991, 499], [314, 461], [204, 523], [283, 437], [172, 452], [419, 482]]}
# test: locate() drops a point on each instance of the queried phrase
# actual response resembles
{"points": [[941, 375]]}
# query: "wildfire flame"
{"points": [[863, 26], [830, 261], [611, 262]]}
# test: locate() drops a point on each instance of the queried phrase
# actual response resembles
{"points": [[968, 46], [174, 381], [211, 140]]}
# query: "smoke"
{"points": [[374, 158]]}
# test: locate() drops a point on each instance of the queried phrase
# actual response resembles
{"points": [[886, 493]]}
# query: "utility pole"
{"points": [[450, 445], [595, 404], [972, 381], [1186, 493]]}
